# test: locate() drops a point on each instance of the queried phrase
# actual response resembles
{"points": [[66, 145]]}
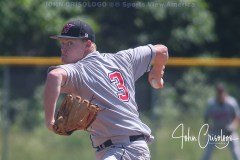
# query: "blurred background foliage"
{"points": [[193, 25], [189, 28]]}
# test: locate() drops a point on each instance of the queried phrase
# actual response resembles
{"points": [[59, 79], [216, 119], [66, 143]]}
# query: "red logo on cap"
{"points": [[66, 28]]}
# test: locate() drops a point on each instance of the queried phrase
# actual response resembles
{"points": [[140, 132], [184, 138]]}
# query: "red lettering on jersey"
{"points": [[117, 78], [222, 115]]}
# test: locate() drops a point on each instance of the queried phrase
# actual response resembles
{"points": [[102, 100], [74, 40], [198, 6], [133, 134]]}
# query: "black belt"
{"points": [[108, 143], [137, 138]]}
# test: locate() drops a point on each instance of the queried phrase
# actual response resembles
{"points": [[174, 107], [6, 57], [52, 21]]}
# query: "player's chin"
{"points": [[67, 60], [64, 59]]}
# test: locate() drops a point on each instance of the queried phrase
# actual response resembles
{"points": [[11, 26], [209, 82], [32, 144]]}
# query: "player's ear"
{"points": [[88, 43]]}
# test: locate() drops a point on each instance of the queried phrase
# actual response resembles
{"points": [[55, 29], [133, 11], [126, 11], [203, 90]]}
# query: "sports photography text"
{"points": [[124, 4], [203, 138]]}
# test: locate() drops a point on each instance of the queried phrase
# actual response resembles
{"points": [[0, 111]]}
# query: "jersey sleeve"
{"points": [[236, 108], [72, 77], [140, 59]]}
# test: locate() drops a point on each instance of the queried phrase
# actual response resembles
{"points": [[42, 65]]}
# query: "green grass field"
{"points": [[44, 145]]}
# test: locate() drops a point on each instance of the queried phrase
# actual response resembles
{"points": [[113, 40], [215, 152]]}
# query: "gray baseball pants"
{"points": [[137, 150]]}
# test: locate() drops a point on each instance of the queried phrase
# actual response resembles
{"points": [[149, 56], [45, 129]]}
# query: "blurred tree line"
{"points": [[190, 28]]}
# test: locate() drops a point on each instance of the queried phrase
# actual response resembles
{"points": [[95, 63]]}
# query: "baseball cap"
{"points": [[76, 29]]}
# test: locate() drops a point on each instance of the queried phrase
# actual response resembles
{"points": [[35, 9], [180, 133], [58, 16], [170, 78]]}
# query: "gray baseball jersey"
{"points": [[222, 115], [110, 78]]}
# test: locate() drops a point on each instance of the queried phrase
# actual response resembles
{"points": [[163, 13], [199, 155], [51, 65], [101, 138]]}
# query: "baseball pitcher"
{"points": [[101, 93]]}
